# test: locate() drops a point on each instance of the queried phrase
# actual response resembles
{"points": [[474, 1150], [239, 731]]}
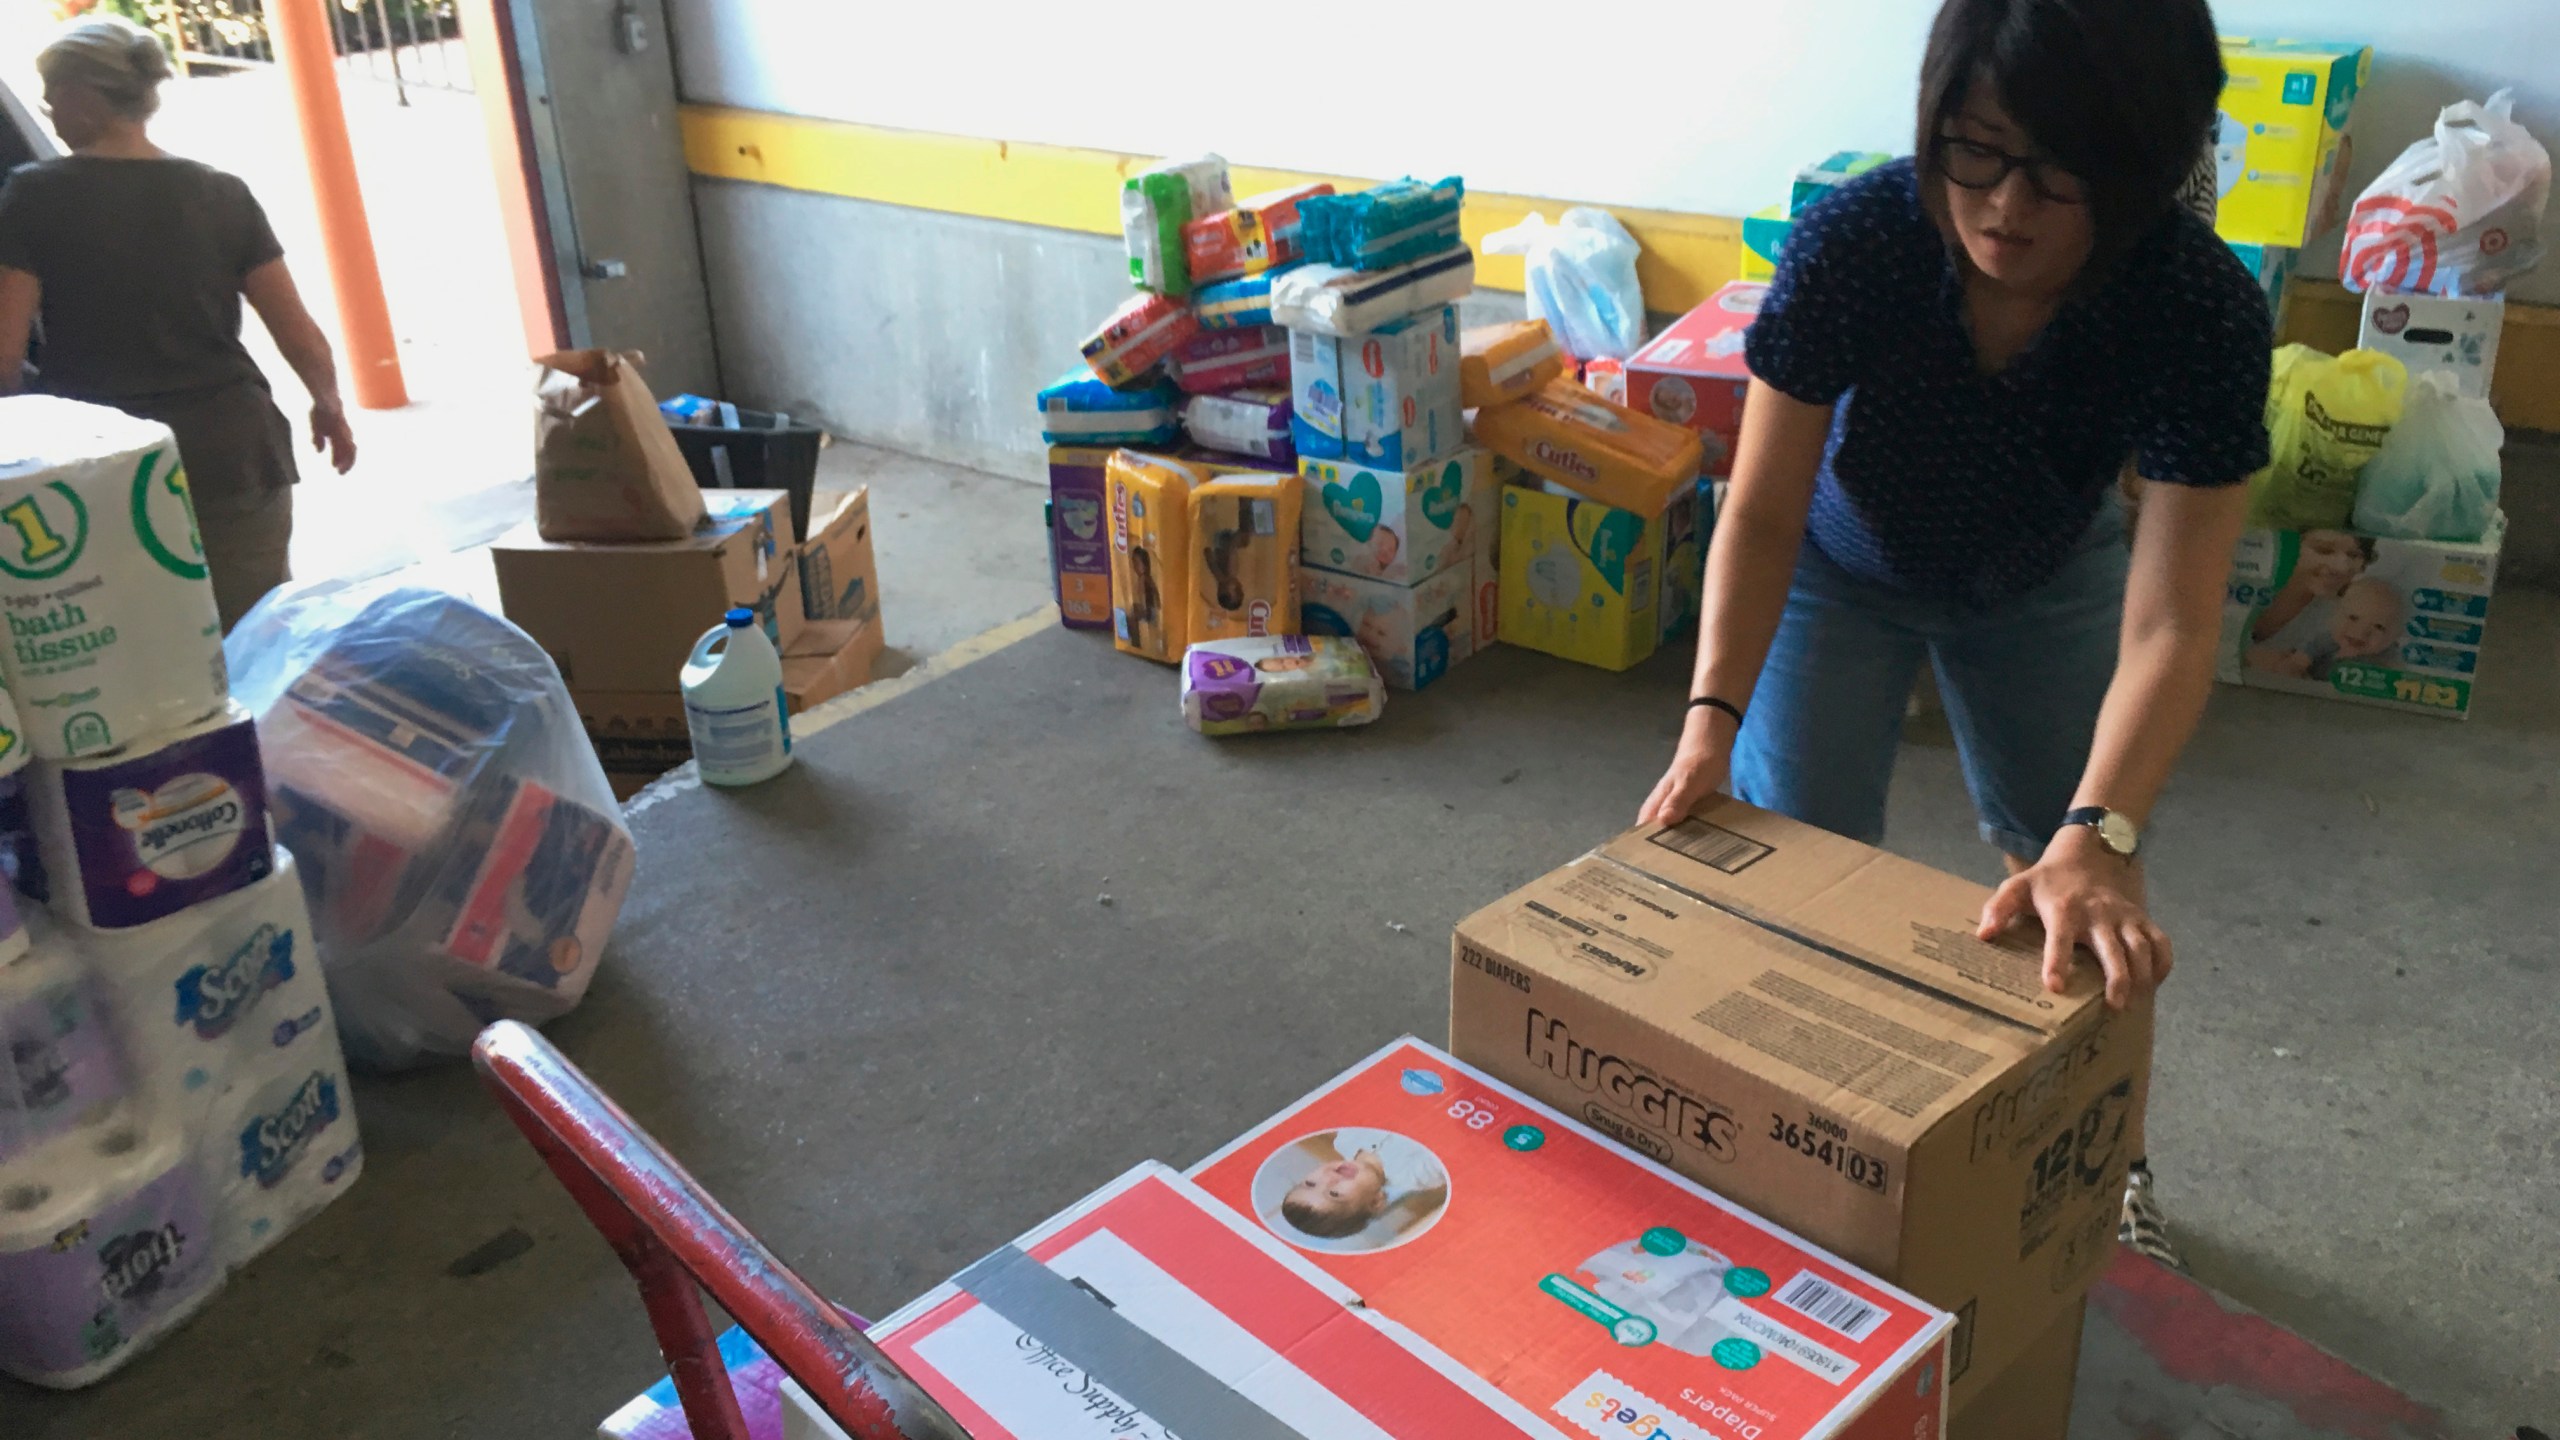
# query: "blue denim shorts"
{"points": [[2022, 685]]}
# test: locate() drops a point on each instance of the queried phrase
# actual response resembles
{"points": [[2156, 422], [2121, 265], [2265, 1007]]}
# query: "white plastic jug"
{"points": [[733, 704]]}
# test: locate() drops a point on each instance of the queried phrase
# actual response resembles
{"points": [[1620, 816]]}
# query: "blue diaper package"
{"points": [[1239, 303], [1078, 409], [1381, 228]]}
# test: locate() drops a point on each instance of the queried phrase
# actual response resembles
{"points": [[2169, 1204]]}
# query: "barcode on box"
{"points": [[1824, 1303], [1713, 846]]}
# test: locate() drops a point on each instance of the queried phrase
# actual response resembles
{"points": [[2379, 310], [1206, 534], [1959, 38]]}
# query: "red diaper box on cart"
{"points": [[1694, 373], [1597, 1290]]}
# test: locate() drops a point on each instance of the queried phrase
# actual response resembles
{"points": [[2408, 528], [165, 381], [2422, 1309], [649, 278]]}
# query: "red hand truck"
{"points": [[678, 1242]]}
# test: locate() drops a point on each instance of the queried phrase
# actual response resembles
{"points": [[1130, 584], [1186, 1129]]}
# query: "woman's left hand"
{"points": [[2085, 894]]}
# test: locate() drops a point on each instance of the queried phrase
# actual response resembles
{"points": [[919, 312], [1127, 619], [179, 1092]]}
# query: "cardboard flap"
{"points": [[1856, 905]]}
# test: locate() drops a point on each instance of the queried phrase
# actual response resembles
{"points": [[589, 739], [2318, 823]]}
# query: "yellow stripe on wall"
{"points": [[1685, 258]]}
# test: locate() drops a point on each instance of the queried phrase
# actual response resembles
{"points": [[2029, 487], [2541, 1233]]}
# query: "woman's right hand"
{"points": [[1698, 769]]}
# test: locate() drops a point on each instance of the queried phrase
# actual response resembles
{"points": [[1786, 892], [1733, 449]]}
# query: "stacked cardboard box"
{"points": [[619, 619]]}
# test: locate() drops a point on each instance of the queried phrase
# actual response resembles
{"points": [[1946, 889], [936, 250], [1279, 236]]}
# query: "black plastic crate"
{"points": [[765, 452]]}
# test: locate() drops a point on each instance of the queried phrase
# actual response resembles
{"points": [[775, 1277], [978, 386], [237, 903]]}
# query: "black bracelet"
{"points": [[1713, 703]]}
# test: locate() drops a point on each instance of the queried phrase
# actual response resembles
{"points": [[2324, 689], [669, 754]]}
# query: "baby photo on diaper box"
{"points": [[1415, 633], [2352, 617], [1396, 525], [1577, 1276]]}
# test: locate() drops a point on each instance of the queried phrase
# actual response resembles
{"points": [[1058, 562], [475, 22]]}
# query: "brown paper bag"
{"points": [[604, 465]]}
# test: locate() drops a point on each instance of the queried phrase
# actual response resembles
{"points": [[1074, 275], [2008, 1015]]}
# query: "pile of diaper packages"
{"points": [[175, 1100]]}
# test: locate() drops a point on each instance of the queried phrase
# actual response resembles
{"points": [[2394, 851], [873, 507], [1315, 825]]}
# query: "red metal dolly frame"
{"points": [[678, 1242]]}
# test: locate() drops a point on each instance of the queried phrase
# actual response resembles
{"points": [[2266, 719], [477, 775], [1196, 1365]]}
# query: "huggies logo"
{"points": [[1694, 1122], [213, 997]]}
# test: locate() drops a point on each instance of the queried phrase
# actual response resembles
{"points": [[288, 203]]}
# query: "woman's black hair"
{"points": [[2120, 93]]}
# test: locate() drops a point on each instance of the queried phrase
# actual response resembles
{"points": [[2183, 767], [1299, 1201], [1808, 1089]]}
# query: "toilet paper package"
{"points": [[1216, 361], [146, 831], [1383, 227], [1498, 364], [105, 1244], [1242, 422], [1415, 632], [1155, 205], [1245, 575], [1150, 502], [1605, 452], [1239, 303], [1138, 337], [1280, 682], [13, 738], [279, 1146], [66, 1069], [1258, 233], [1388, 397], [1334, 300], [461, 853], [1079, 409], [1401, 526], [112, 630]]}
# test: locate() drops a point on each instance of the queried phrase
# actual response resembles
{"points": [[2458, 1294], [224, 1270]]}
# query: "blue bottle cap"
{"points": [[740, 618]]}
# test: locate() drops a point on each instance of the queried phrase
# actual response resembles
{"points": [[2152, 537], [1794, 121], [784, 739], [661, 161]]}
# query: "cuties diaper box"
{"points": [[1414, 632], [1151, 1310], [1596, 1289], [1582, 580], [1387, 397], [2333, 613], [1244, 528], [1401, 526], [1612, 453], [2281, 150], [1149, 511], [1694, 374]]}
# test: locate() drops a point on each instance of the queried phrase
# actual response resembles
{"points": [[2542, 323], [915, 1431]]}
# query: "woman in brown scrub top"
{"points": [[136, 260]]}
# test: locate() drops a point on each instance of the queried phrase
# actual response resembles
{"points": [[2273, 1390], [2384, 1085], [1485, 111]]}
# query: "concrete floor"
{"points": [[879, 1009]]}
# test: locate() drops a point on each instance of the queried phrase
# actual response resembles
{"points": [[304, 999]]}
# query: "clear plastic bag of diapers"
{"points": [[2437, 474], [463, 856], [1580, 274]]}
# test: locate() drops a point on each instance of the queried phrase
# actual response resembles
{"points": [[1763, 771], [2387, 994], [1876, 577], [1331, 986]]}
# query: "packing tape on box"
{"points": [[141, 833], [113, 634], [104, 1244], [1332, 300]]}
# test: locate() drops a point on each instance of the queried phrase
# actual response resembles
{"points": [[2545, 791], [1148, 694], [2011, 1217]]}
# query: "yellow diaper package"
{"points": [[1581, 580], [1150, 499], [1498, 364], [1244, 566], [1608, 452]]}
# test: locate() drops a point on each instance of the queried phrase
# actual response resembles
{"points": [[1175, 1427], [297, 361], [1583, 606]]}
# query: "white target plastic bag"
{"points": [[462, 854], [1581, 278], [2459, 213]]}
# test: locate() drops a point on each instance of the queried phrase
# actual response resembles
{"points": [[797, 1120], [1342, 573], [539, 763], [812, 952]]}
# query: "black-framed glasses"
{"points": [[1977, 166]]}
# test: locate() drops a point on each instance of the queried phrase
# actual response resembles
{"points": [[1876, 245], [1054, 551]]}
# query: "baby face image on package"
{"points": [[2369, 616], [1353, 1189], [1245, 576]]}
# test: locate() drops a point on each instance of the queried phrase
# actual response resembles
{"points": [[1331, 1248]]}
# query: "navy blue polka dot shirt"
{"points": [[1969, 488]]}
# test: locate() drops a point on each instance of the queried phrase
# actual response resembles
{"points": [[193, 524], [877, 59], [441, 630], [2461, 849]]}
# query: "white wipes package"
{"points": [[113, 634]]}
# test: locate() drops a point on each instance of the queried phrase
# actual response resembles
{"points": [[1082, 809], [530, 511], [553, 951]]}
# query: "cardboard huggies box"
{"points": [[1809, 1026]]}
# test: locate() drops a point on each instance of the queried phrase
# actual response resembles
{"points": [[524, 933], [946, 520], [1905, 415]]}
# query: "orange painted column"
{"points": [[308, 56]]}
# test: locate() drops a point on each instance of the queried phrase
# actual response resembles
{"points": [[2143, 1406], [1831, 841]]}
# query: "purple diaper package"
{"points": [[1244, 422], [1249, 684], [143, 832]]}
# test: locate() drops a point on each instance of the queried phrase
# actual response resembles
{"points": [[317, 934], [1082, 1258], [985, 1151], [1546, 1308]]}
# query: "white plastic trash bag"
{"points": [[462, 854], [1581, 280], [2459, 213], [2436, 477]]}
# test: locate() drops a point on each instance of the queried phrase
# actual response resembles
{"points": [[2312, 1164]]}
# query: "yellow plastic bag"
{"points": [[2326, 416]]}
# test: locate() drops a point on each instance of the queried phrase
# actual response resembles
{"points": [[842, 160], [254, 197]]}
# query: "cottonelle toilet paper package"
{"points": [[225, 1019], [104, 1246], [112, 630], [144, 832]]}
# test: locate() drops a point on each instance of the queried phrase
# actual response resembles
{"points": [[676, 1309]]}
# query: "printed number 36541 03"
{"points": [[1860, 1167]]}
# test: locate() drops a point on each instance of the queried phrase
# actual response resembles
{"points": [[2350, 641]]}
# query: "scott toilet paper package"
{"points": [[112, 630], [143, 832], [105, 1244]]}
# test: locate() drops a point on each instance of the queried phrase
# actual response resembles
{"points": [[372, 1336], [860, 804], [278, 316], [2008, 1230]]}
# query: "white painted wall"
{"points": [[1696, 105]]}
